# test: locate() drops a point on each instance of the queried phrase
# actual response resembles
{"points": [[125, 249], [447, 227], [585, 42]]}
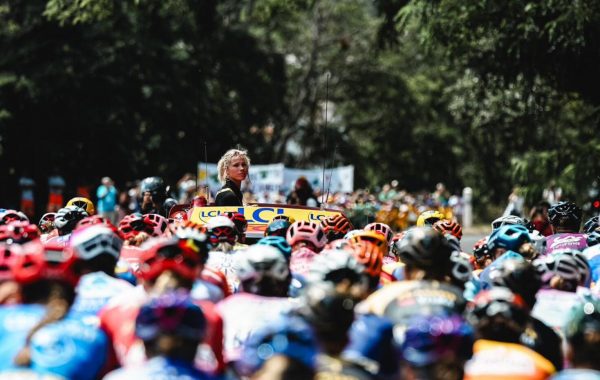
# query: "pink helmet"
{"points": [[308, 232], [381, 228], [158, 222], [8, 216]]}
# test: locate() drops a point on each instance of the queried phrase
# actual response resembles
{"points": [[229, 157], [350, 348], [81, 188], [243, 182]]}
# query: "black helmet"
{"points": [[593, 237], [519, 276], [155, 186], [565, 214], [498, 302], [424, 248], [592, 224], [329, 313]]}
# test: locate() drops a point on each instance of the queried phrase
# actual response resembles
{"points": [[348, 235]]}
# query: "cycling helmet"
{"points": [[67, 218], [221, 229], [241, 224], [460, 268], [584, 319], [158, 255], [37, 262], [382, 229], [519, 276], [593, 237], [510, 237], [480, 248], [8, 256], [498, 301], [430, 338], [342, 244], [583, 266], [329, 312], [336, 226], [172, 314], [156, 187], [370, 256], [507, 220], [131, 225], [372, 237], [278, 227], [591, 225], [394, 243], [333, 265], [288, 336], [94, 220], [259, 261], [18, 232], [428, 218], [46, 223], [562, 265], [93, 241], [351, 233], [309, 232], [565, 214], [278, 242], [448, 227], [424, 248], [157, 224], [284, 217], [195, 237], [83, 203], [8, 216]]}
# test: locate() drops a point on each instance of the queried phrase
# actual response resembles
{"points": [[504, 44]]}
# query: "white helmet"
{"points": [[333, 260], [219, 221], [95, 240], [260, 261]]}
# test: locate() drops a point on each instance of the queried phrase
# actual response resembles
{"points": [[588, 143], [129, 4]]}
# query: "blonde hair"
{"points": [[225, 161]]}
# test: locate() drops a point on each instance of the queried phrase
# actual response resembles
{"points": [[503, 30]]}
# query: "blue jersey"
{"points": [[94, 290], [159, 368], [69, 348]]}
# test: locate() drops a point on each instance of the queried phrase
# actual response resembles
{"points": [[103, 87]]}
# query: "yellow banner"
{"points": [[259, 217]]}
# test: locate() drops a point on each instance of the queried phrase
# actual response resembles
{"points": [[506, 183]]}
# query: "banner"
{"points": [[259, 216], [276, 178]]}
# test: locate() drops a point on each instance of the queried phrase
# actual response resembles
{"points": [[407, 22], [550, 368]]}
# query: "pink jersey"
{"points": [[301, 260]]}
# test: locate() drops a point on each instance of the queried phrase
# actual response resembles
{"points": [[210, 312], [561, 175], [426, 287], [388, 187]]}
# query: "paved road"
{"points": [[469, 240]]}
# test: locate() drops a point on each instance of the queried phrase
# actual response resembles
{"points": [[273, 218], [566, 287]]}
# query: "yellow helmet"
{"points": [[371, 236], [84, 203], [429, 217]]}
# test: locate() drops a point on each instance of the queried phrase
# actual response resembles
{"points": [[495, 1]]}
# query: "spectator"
{"points": [[107, 200]]}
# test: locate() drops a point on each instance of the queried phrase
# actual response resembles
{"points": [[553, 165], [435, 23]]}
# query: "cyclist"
{"points": [[335, 227], [306, 240], [565, 218], [171, 327], [222, 256]]}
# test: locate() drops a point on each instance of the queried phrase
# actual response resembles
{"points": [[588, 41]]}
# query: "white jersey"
{"points": [[226, 263], [95, 290], [553, 307], [244, 313]]}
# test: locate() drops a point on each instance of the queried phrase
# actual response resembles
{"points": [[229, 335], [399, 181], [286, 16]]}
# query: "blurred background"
{"points": [[489, 94]]}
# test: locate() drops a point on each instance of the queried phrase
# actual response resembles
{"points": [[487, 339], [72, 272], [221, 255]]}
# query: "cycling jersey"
{"points": [[553, 306], [69, 347], [226, 263], [118, 320], [506, 361], [565, 241], [577, 374], [159, 368], [301, 260], [543, 340], [244, 313], [94, 290]]}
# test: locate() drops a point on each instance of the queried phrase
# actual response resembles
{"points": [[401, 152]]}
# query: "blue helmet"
{"points": [[431, 338], [510, 237], [278, 242], [170, 314], [278, 227], [289, 336]]}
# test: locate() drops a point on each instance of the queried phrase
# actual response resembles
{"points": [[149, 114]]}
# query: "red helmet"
{"points": [[217, 278], [18, 232], [95, 219], [163, 254], [241, 224], [308, 232], [8, 256], [336, 226], [448, 227], [381, 228], [50, 262], [152, 224]]}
